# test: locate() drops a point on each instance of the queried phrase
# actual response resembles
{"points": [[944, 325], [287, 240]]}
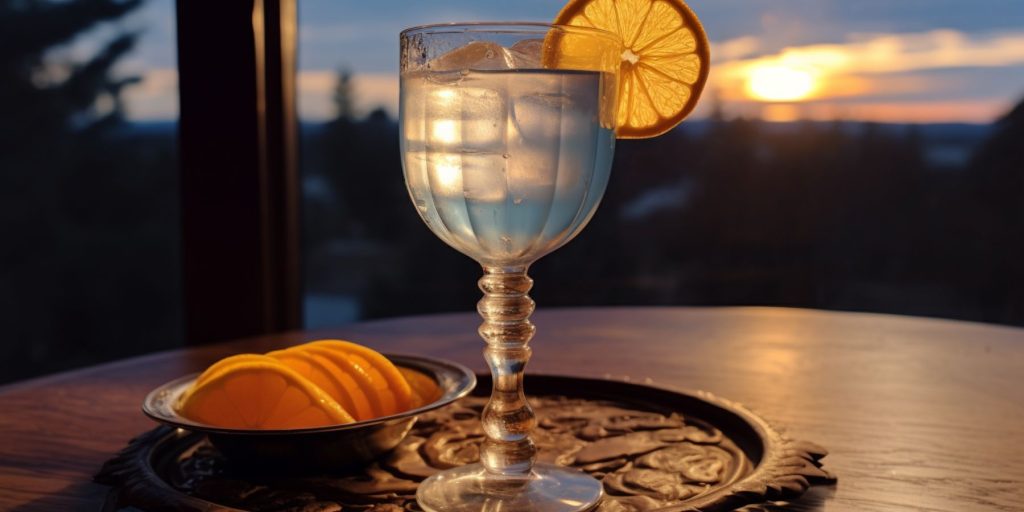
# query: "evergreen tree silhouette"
{"points": [[44, 97], [998, 177], [88, 209]]}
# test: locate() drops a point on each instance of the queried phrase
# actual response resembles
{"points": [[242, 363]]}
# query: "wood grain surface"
{"points": [[918, 414]]}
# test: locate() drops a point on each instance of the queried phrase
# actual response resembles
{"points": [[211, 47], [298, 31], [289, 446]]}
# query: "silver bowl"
{"points": [[334, 447]]}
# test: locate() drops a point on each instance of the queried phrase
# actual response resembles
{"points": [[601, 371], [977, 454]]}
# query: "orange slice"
{"points": [[217, 367], [327, 377], [359, 397], [356, 375], [383, 369], [664, 61], [261, 394], [424, 389]]}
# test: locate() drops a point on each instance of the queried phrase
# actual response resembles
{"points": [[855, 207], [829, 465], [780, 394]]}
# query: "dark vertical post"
{"points": [[239, 178]]}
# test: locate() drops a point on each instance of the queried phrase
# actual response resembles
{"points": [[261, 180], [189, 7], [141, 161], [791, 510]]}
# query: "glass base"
{"points": [[550, 488]]}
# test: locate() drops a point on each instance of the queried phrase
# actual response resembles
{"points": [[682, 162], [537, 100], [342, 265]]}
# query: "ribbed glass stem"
{"points": [[507, 419]]}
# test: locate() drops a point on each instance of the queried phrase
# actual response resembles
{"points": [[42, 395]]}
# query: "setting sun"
{"points": [[774, 82]]}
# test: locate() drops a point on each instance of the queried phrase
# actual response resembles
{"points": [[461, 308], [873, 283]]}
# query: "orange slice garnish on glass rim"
{"points": [[664, 61]]}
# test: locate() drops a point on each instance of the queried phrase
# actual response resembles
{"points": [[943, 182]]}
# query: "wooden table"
{"points": [[918, 414]]}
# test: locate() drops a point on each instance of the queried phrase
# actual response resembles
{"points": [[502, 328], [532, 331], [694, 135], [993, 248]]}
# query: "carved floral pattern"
{"points": [[646, 460]]}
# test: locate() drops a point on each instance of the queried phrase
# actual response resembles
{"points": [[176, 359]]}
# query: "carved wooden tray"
{"points": [[654, 449]]}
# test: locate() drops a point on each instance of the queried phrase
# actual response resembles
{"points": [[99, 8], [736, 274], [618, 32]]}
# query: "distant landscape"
{"points": [[907, 219], [897, 218]]}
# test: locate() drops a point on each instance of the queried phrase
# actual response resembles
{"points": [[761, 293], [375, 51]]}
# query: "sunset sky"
{"points": [[882, 60]]}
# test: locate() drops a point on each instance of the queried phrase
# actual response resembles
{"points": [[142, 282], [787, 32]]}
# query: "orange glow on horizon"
{"points": [[871, 77], [780, 113], [777, 82], [963, 111]]}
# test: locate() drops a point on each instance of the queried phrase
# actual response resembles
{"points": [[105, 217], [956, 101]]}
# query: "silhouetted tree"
{"points": [[43, 95], [998, 175], [87, 209], [998, 166], [344, 95]]}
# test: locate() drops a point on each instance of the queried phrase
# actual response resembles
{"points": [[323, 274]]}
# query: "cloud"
{"points": [[735, 49], [866, 55], [370, 91], [155, 98], [883, 76], [889, 53]]}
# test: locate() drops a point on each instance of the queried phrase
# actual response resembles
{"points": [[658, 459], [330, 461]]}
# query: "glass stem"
{"points": [[507, 419]]}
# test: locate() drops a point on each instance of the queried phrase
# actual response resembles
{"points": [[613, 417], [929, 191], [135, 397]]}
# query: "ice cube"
{"points": [[483, 178], [539, 115], [534, 125], [479, 55], [526, 54], [484, 112], [444, 173], [537, 107], [465, 117], [445, 77]]}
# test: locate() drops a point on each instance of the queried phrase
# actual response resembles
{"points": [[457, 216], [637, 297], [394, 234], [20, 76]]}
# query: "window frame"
{"points": [[240, 198]]}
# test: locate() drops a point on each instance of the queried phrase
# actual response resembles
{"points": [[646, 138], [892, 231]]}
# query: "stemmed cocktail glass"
{"points": [[507, 134]]}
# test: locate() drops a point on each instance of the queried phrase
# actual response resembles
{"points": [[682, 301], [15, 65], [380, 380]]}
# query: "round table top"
{"points": [[918, 414]]}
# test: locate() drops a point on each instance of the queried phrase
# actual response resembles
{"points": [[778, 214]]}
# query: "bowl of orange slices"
{"points": [[322, 405]]}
